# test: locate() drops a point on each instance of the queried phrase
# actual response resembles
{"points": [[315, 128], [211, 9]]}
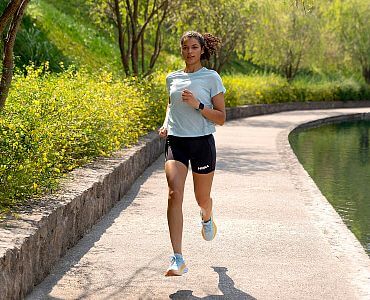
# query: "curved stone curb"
{"points": [[343, 242], [32, 244], [262, 109]]}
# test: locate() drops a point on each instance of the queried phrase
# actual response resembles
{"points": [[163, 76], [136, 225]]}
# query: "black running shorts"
{"points": [[200, 150]]}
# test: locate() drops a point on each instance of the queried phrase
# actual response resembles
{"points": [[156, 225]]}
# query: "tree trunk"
{"points": [[158, 40], [121, 37], [142, 50], [224, 55], [8, 14], [288, 67], [134, 59], [288, 72], [133, 14], [366, 73], [8, 63], [129, 43], [222, 63], [137, 30], [142, 41]]}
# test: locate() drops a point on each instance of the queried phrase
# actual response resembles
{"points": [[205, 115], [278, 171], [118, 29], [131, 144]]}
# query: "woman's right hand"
{"points": [[162, 132]]}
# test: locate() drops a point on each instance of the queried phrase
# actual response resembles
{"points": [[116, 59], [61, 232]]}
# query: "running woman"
{"points": [[196, 104]]}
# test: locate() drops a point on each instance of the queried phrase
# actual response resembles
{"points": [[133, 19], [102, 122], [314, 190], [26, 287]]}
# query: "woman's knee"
{"points": [[175, 197], [203, 199]]}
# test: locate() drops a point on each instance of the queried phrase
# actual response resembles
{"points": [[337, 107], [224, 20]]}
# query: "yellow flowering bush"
{"points": [[54, 123]]}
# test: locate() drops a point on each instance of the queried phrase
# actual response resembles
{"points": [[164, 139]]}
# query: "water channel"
{"points": [[337, 157]]}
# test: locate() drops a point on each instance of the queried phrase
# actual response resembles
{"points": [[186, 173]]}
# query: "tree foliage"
{"points": [[352, 21], [284, 35], [228, 20], [287, 36], [137, 24]]}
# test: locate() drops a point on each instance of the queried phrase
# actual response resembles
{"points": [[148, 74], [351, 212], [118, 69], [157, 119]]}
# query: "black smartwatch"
{"points": [[201, 106]]}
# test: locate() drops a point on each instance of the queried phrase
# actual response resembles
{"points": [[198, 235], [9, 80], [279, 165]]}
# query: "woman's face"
{"points": [[191, 51]]}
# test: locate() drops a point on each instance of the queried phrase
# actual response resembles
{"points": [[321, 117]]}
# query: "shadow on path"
{"points": [[226, 286], [249, 162], [74, 255]]}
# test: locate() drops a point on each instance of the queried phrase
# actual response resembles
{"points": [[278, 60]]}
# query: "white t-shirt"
{"points": [[184, 120]]}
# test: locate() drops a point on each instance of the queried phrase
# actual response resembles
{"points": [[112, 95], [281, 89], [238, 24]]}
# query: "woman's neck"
{"points": [[192, 69]]}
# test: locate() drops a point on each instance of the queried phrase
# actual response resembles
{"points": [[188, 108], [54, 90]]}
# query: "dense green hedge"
{"points": [[242, 90], [54, 123]]}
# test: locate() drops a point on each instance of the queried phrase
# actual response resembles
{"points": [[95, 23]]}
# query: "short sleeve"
{"points": [[217, 85], [168, 84]]}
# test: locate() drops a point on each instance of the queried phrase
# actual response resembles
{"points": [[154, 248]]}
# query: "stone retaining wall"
{"points": [[332, 120], [34, 242], [262, 109]]}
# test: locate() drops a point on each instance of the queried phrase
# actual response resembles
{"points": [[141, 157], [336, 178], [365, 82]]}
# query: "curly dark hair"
{"points": [[210, 43]]}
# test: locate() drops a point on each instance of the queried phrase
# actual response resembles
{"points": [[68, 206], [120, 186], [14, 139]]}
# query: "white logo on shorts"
{"points": [[202, 168]]}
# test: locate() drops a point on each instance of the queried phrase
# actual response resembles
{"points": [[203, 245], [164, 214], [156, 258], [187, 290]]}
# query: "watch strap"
{"points": [[201, 106]]}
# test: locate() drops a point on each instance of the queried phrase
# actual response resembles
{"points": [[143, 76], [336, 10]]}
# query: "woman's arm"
{"points": [[163, 130], [216, 115]]}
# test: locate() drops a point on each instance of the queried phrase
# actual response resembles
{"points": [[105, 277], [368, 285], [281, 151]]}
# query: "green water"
{"points": [[337, 157]]}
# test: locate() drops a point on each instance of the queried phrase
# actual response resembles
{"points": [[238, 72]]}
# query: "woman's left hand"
{"points": [[188, 97]]}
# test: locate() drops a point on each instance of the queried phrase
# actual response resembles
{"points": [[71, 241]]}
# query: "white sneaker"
{"points": [[177, 266], [209, 228]]}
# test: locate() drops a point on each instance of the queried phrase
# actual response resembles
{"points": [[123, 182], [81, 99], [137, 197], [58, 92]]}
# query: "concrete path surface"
{"points": [[278, 237]]}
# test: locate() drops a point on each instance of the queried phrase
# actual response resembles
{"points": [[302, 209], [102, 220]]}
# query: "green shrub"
{"points": [[244, 90], [349, 89], [364, 91], [54, 123], [314, 91]]}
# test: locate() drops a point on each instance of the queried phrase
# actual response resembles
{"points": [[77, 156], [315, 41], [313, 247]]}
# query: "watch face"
{"points": [[201, 106]]}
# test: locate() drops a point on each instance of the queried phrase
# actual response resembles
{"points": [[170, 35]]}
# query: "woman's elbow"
{"points": [[222, 120]]}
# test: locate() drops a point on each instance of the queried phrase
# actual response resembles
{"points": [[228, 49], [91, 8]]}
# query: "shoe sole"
{"points": [[214, 232], [180, 272]]}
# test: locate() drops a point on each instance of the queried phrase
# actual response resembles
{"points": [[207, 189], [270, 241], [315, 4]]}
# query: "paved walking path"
{"points": [[278, 237]]}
